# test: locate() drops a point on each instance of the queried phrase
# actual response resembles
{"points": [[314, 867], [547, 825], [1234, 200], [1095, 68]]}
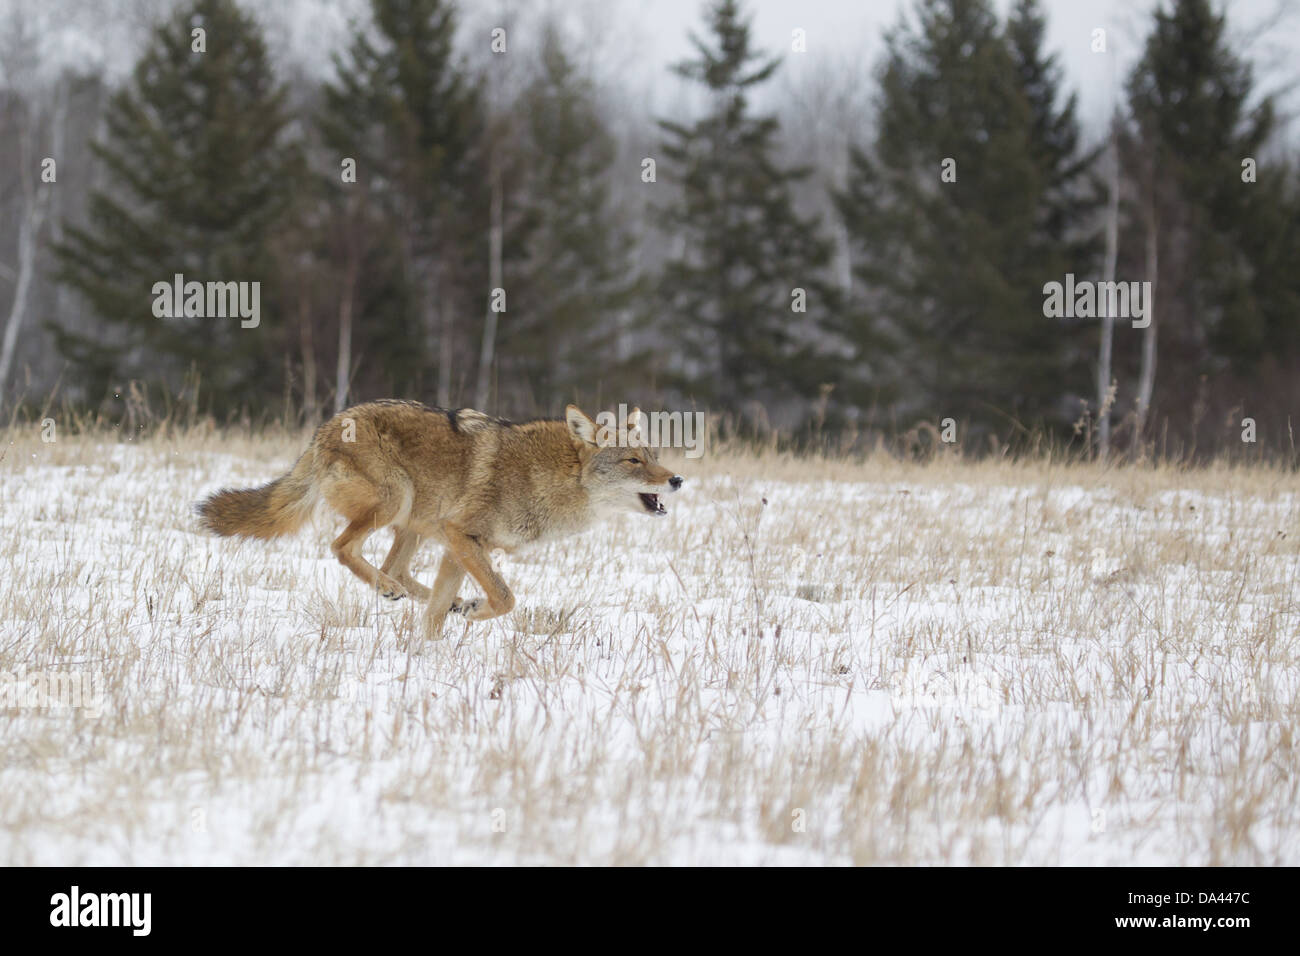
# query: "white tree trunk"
{"points": [[440, 304], [28, 231], [36, 197], [1104, 398], [1147, 372], [486, 353], [344, 368], [307, 345]]}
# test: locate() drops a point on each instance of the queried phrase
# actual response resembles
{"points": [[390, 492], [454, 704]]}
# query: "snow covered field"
{"points": [[883, 663]]}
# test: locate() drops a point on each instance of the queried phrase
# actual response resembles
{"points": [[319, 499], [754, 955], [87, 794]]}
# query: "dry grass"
{"points": [[885, 663]]}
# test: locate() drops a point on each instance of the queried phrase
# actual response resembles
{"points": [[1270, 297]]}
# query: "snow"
{"points": [[949, 668]]}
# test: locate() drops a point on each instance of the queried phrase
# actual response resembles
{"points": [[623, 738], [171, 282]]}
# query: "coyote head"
{"points": [[620, 471]]}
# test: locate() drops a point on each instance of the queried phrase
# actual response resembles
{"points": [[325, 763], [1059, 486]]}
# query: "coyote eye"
{"points": [[635, 461]]}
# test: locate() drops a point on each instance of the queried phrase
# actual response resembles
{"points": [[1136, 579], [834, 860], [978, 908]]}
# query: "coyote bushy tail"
{"points": [[278, 508]]}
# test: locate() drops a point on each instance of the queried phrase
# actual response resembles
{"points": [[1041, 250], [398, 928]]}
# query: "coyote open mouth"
{"points": [[653, 504]]}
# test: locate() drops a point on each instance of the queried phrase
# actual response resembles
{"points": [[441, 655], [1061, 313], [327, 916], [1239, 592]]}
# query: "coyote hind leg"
{"points": [[347, 548], [398, 563]]}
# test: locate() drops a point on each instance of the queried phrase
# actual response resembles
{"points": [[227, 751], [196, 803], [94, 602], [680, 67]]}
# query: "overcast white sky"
{"points": [[855, 27], [637, 39]]}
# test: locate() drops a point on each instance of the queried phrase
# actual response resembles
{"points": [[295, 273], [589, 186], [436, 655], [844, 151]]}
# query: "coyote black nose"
{"points": [[675, 482]]}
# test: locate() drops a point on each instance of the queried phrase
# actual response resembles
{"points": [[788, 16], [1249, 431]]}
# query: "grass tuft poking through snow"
{"points": [[806, 662]]}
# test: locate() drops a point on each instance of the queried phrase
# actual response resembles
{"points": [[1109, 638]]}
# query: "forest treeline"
{"points": [[471, 223]]}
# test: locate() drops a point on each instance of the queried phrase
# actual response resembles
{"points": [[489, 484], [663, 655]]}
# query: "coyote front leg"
{"points": [[473, 557], [441, 596], [347, 548]]}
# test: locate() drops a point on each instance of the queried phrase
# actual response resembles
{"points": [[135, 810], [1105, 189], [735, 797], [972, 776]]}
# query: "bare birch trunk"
{"points": [[1147, 371], [36, 198], [344, 368], [307, 345], [440, 308], [486, 353], [28, 231], [1108, 320]]}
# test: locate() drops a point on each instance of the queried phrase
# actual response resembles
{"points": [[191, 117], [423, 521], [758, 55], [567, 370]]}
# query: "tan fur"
{"points": [[460, 478]]}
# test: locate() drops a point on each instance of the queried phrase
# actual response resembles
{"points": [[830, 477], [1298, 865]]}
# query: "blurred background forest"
{"points": [[465, 204]]}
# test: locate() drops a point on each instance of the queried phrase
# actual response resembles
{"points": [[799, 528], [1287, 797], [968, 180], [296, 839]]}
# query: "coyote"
{"points": [[468, 481]]}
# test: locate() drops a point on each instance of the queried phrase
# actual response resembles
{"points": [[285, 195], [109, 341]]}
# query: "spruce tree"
{"points": [[746, 295], [411, 116], [1222, 286], [959, 213], [1064, 237], [201, 174], [568, 270]]}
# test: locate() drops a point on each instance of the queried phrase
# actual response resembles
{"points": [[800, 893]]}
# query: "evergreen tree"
{"points": [[959, 214], [1224, 292], [202, 175], [1054, 126], [1064, 237], [569, 270], [348, 265], [411, 117], [741, 250]]}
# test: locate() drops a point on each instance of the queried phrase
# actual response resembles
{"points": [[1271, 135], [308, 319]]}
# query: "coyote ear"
{"points": [[634, 420], [581, 427]]}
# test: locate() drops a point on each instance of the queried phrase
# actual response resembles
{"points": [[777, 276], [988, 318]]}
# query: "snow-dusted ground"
{"points": [[952, 664]]}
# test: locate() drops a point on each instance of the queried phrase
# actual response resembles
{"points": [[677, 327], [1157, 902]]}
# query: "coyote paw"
{"points": [[391, 590], [461, 606], [416, 590]]}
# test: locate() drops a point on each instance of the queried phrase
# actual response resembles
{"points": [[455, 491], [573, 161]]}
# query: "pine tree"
{"points": [[745, 261], [959, 213], [357, 312], [1064, 237], [202, 173], [411, 117], [1054, 127], [568, 268], [1221, 292]]}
